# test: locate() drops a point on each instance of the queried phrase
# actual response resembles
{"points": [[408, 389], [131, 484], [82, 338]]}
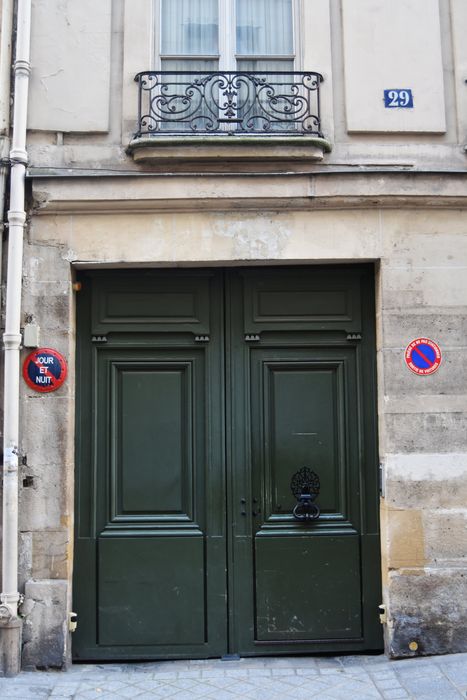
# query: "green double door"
{"points": [[200, 395]]}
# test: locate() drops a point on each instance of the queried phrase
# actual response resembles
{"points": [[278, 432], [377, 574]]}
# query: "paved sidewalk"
{"points": [[299, 678]]}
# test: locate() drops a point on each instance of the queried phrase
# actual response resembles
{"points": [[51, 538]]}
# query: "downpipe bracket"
{"points": [[9, 605]]}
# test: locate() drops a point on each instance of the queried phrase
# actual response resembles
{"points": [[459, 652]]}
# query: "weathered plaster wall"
{"points": [[421, 290], [370, 29], [70, 61], [73, 96], [47, 446]]}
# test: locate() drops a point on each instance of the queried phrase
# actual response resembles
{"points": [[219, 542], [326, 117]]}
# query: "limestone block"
{"points": [[51, 232], [51, 552], [418, 249], [446, 537], [51, 311], [44, 264], [409, 287], [449, 379], [45, 624], [426, 481], [425, 432], [447, 328], [424, 493], [42, 506], [48, 419], [47, 290], [405, 224], [429, 607], [406, 544]]}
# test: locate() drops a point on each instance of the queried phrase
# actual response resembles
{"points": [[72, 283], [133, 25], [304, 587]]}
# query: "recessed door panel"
{"points": [[307, 299], [152, 439], [299, 594], [160, 302], [302, 404], [151, 591]]}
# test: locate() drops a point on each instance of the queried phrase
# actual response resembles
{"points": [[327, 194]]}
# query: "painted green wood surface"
{"points": [[151, 591], [307, 588], [188, 436]]}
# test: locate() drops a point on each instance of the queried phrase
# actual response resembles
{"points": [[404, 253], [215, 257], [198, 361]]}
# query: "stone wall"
{"points": [[393, 191], [421, 261]]}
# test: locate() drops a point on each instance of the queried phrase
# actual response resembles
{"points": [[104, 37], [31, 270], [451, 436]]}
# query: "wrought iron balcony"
{"points": [[228, 103]]}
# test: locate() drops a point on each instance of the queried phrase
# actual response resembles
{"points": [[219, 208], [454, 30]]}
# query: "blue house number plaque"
{"points": [[400, 97]]}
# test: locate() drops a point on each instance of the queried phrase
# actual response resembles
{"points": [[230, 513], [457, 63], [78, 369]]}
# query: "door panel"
{"points": [[299, 594], [301, 405], [201, 394], [158, 302], [151, 441], [142, 574], [305, 299]]}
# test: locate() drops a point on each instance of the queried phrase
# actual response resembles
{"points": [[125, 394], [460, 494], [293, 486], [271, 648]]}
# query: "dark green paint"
{"points": [[153, 461], [185, 454], [311, 602], [156, 574]]}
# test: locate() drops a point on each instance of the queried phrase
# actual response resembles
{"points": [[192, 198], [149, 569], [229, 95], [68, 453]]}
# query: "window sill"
{"points": [[215, 148]]}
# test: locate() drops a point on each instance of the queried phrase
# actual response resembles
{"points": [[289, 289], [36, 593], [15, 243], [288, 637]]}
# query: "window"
{"points": [[227, 67], [199, 35]]}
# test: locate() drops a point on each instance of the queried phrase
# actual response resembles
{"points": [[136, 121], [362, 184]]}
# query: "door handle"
{"points": [[305, 486], [243, 504], [256, 509]]}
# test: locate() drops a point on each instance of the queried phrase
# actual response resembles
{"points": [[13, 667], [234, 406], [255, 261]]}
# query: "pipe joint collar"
{"points": [[12, 341], [18, 155], [22, 66], [16, 217]]}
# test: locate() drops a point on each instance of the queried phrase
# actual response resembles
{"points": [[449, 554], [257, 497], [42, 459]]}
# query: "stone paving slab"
{"points": [[280, 678]]}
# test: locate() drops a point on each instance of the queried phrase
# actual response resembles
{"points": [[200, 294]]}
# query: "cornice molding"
{"points": [[109, 194]]}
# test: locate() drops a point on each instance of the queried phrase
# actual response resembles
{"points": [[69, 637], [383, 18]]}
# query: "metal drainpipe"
{"points": [[10, 597], [5, 71]]}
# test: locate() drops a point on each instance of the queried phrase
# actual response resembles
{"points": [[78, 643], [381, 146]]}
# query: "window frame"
{"points": [[227, 57]]}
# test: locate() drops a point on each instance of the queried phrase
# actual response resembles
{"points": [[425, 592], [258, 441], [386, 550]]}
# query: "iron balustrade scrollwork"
{"points": [[229, 103]]}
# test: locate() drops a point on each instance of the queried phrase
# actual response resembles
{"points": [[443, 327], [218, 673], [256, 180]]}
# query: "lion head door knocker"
{"points": [[305, 487]]}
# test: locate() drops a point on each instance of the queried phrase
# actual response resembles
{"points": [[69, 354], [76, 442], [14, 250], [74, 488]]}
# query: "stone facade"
{"points": [[393, 191]]}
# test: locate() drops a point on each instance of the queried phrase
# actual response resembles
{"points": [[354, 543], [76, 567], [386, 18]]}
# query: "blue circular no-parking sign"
{"points": [[44, 370], [422, 356]]}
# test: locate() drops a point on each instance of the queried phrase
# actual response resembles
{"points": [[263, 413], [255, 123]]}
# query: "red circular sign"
{"points": [[44, 370], [422, 356]]}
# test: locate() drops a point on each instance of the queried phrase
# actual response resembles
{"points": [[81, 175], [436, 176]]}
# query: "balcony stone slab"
{"points": [[227, 149]]}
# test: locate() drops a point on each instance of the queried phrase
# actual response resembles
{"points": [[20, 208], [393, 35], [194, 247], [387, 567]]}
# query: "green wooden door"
{"points": [[301, 394], [200, 394], [150, 549]]}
